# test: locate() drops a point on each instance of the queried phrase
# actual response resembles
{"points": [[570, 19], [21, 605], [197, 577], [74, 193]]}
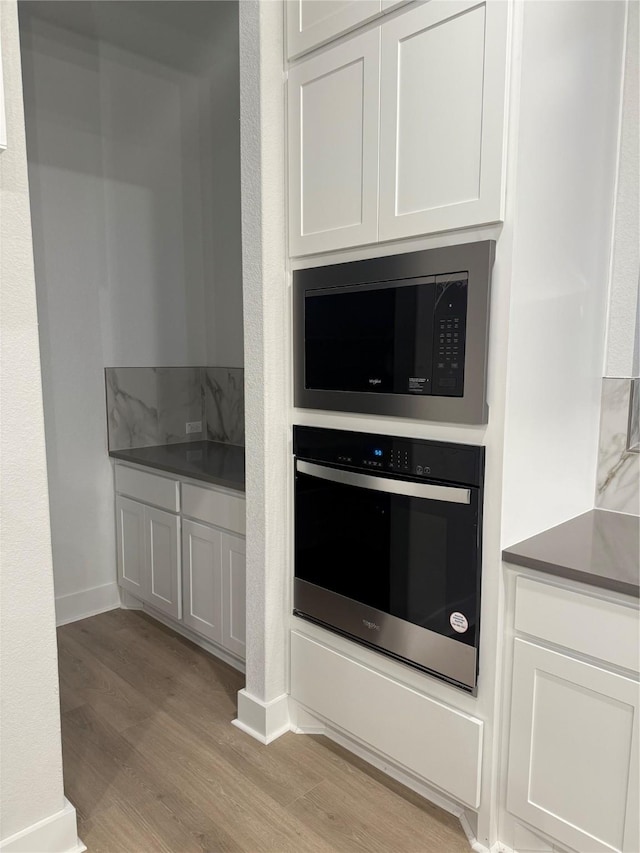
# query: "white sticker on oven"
{"points": [[458, 622]]}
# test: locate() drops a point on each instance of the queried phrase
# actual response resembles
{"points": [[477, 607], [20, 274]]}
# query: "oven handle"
{"points": [[450, 494]]}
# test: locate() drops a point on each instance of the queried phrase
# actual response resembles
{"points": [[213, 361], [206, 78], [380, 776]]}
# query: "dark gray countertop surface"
{"points": [[599, 548], [211, 461]]}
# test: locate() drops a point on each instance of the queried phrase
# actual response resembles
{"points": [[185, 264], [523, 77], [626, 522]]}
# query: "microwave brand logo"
{"points": [[375, 381], [371, 625]]}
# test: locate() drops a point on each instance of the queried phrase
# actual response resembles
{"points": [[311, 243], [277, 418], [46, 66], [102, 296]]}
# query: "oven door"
{"points": [[392, 563]]}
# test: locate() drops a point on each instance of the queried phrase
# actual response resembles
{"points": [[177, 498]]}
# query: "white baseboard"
{"points": [[57, 833], [264, 721], [128, 601], [196, 639], [475, 845], [305, 722], [87, 602], [302, 722]]}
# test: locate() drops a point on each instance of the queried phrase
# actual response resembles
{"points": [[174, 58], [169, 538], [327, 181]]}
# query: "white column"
{"points": [[263, 704], [35, 814]]}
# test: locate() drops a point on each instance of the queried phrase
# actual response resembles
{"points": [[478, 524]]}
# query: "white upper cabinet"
{"points": [[333, 147], [313, 22], [399, 132], [442, 118]]}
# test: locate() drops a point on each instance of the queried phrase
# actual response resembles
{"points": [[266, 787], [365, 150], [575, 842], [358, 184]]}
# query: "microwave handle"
{"points": [[449, 494]]}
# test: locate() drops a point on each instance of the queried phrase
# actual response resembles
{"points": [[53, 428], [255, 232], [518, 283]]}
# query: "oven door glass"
{"points": [[411, 557]]}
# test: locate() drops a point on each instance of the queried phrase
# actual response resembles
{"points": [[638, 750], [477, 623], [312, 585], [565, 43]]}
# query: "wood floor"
{"points": [[152, 763]]}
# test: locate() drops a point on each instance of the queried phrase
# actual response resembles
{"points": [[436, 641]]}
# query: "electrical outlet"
{"points": [[193, 426]]}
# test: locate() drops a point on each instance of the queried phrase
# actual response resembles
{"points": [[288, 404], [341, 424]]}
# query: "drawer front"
{"points": [[437, 743], [149, 488], [214, 507], [589, 625]]}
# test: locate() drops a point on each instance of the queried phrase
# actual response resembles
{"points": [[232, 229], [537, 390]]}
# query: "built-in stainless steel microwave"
{"points": [[404, 335]]}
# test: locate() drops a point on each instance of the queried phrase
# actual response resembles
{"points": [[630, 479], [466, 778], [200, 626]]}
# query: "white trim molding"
{"points": [[197, 639], [264, 721], [87, 602], [57, 833]]}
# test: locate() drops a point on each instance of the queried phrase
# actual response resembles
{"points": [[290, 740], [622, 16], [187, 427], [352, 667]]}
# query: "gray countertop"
{"points": [[211, 461], [600, 548]]}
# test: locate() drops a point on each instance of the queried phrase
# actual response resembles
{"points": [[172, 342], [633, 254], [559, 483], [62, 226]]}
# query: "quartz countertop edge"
{"points": [[599, 548], [209, 461]]}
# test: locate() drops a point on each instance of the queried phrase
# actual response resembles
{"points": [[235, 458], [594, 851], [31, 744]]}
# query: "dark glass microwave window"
{"points": [[413, 558], [377, 339]]}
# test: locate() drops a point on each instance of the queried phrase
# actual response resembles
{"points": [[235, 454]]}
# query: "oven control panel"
{"points": [[391, 456]]}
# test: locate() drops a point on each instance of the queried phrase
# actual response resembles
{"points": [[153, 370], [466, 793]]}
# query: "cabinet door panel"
{"points": [[313, 22], [333, 147], [163, 561], [234, 571], [573, 754], [388, 5], [202, 579], [442, 118], [131, 547]]}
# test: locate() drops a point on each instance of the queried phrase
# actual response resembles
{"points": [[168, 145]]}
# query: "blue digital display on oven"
{"points": [[377, 453]]}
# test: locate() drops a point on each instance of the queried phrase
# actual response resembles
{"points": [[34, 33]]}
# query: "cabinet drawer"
{"points": [[433, 741], [213, 507], [592, 626], [149, 488]]}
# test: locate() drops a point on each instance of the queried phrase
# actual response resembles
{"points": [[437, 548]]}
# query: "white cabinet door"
{"points": [[234, 572], [162, 541], [333, 147], [313, 22], [442, 116], [573, 752], [131, 548], [388, 5], [202, 579]]}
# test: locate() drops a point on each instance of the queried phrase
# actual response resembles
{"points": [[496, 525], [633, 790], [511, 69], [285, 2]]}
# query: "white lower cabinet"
{"points": [[234, 576], [192, 569], [162, 540], [149, 554], [573, 743], [131, 547], [202, 579]]}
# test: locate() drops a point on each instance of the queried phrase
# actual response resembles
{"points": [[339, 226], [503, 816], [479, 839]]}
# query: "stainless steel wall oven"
{"points": [[388, 545], [403, 335]]}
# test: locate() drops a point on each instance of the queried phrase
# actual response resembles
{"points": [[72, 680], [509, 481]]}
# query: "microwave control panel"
{"points": [[450, 321]]}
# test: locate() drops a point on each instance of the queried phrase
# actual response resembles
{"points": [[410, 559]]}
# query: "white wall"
{"points": [[133, 171], [220, 89], [622, 357], [564, 190], [31, 767]]}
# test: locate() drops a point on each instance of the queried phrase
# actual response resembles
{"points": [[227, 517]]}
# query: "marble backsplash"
{"points": [[149, 406], [618, 485], [224, 404]]}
